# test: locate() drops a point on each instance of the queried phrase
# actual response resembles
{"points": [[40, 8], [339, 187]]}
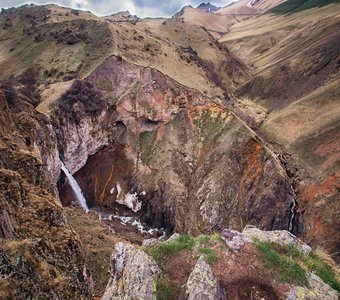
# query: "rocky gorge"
{"points": [[174, 146], [227, 213]]}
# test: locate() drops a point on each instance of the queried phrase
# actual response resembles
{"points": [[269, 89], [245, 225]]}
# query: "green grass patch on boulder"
{"points": [[288, 264], [282, 267], [161, 250]]}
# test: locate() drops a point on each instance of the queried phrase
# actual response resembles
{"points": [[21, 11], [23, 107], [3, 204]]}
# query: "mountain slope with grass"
{"points": [[205, 147], [294, 56]]}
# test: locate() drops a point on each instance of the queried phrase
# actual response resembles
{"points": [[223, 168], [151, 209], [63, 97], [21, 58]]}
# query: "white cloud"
{"points": [[142, 8]]}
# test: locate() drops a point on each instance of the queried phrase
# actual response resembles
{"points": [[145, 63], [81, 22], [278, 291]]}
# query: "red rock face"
{"points": [[193, 165], [101, 174], [143, 97], [318, 201]]}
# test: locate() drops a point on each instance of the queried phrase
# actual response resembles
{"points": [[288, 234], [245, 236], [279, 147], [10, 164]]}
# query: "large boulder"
{"points": [[202, 284], [316, 289], [133, 275], [150, 242], [235, 240], [282, 237]]}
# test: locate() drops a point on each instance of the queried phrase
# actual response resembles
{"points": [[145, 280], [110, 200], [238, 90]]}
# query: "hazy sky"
{"points": [[142, 8]]}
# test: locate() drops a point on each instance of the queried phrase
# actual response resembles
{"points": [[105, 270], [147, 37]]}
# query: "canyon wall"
{"points": [[41, 256], [192, 164]]}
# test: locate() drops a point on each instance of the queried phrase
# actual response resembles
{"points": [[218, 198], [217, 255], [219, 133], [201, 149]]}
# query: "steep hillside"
{"points": [[27, 39], [240, 8], [295, 62], [59, 43], [294, 6], [164, 142], [41, 256], [212, 22], [185, 52], [244, 8]]}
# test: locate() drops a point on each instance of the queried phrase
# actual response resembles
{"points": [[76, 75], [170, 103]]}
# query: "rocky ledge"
{"points": [[254, 264]]}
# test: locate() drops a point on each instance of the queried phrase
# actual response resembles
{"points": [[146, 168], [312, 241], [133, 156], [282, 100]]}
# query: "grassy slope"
{"points": [[216, 23], [289, 264], [293, 6], [20, 51], [151, 42], [98, 242], [163, 44], [295, 77], [310, 116]]}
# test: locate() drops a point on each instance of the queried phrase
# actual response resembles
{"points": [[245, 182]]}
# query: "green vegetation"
{"points": [[325, 271], [290, 265], [209, 254], [283, 268], [68, 48], [210, 127], [203, 244], [165, 290], [161, 252], [146, 140], [293, 6], [144, 137]]}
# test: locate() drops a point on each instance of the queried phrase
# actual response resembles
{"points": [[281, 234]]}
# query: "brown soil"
{"points": [[240, 274], [242, 277], [179, 267]]}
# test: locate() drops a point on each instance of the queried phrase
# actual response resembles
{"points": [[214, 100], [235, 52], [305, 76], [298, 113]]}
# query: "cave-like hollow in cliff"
{"points": [[109, 187]]}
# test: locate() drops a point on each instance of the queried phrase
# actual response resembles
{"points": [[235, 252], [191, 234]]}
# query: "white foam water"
{"points": [[292, 211], [75, 187]]}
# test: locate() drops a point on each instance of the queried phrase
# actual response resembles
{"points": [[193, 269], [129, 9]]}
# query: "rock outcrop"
{"points": [[234, 239], [316, 290], [202, 284], [281, 237], [232, 266], [133, 275]]}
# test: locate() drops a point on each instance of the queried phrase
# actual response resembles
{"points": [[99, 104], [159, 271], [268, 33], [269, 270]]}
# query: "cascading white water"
{"points": [[292, 210], [75, 187]]}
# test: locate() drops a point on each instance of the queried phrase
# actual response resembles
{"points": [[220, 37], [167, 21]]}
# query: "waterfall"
{"points": [[75, 187], [292, 210]]}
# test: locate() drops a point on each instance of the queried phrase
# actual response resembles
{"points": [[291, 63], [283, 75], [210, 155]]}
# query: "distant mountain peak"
{"points": [[208, 7]]}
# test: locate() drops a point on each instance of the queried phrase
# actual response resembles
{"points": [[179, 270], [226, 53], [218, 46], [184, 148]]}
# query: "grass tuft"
{"points": [[165, 290], [210, 254], [159, 251], [283, 268], [291, 265], [326, 272]]}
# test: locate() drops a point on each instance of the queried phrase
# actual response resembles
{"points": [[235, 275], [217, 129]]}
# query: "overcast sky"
{"points": [[141, 8]]}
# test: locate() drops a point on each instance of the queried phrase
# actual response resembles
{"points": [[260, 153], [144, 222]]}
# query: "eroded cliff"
{"points": [[41, 256], [190, 162]]}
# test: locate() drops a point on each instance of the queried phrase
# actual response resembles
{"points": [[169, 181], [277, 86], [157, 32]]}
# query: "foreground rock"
{"points": [[316, 290], [133, 275], [234, 239], [202, 284], [150, 242], [281, 237]]}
